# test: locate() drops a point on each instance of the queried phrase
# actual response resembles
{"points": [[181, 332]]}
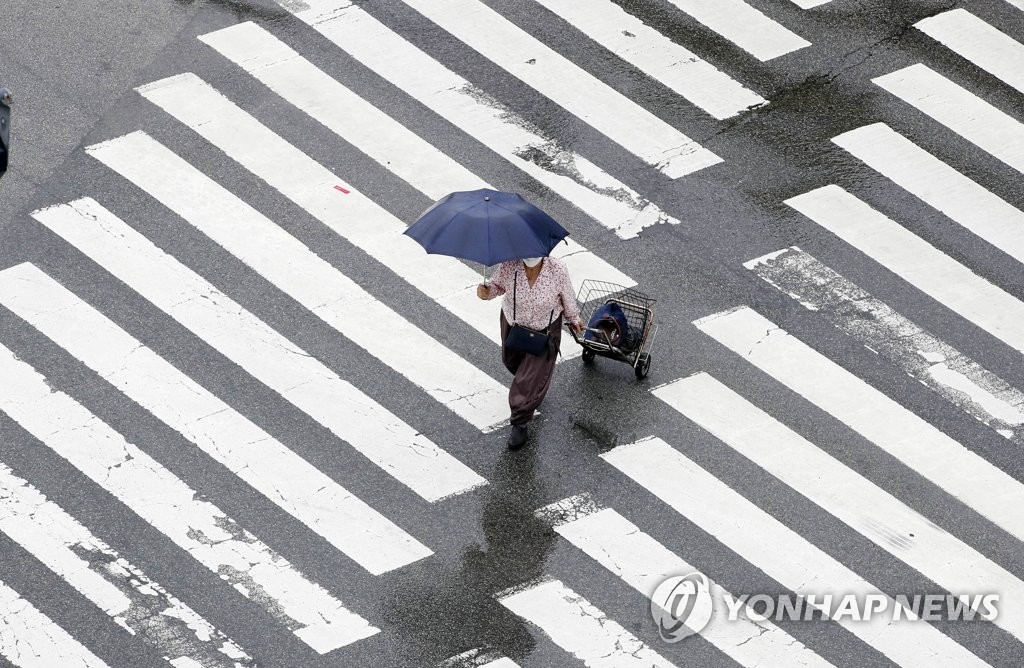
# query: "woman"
{"points": [[538, 293]]}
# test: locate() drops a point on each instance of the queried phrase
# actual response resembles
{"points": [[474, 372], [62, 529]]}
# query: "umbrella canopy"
{"points": [[487, 226]]}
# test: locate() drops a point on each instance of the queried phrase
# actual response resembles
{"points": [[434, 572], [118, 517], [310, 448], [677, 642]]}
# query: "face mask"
{"points": [[532, 262]]}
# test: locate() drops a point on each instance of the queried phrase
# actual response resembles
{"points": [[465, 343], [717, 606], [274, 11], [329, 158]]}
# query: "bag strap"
{"points": [[515, 282]]}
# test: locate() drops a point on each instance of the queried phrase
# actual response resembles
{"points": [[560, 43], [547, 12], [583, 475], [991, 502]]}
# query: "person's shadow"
{"points": [[461, 610]]}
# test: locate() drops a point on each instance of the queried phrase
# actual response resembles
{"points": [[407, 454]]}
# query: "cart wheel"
{"points": [[643, 365], [588, 355]]}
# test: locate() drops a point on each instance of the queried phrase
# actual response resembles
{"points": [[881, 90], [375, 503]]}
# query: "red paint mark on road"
{"points": [[341, 189]]}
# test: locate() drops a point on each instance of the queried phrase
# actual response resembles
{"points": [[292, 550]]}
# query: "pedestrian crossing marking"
{"points": [[643, 563], [132, 600], [578, 627], [479, 115], [478, 658], [938, 185], [960, 110], [574, 89], [351, 415], [449, 282], [362, 222], [744, 26], [162, 499], [609, 202], [781, 553], [30, 639], [283, 259], [657, 56], [844, 493], [990, 49], [329, 102], [299, 488], [916, 261], [959, 379], [896, 430]]}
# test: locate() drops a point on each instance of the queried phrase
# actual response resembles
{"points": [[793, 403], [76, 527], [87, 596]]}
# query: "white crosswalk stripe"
{"points": [[30, 639], [575, 625], [478, 658], [286, 261], [643, 563], [916, 261], [845, 494], [984, 45], [354, 417], [960, 110], [939, 185], [869, 412], [256, 571], [745, 26], [256, 457], [657, 56], [780, 552], [134, 601], [448, 282], [540, 67], [959, 379], [481, 116], [810, 4]]}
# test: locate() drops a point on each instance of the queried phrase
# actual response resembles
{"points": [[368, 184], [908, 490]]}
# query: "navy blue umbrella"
{"points": [[487, 226]]}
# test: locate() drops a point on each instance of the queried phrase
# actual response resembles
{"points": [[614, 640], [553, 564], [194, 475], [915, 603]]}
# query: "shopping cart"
{"points": [[619, 324]]}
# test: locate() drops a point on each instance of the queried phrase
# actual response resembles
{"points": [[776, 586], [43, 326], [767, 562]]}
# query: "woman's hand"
{"points": [[482, 291], [576, 327]]}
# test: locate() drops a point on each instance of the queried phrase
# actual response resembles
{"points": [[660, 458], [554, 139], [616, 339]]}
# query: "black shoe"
{"points": [[517, 438]]}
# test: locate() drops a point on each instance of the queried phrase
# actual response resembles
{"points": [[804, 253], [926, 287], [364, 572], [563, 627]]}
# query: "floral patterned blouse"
{"points": [[552, 290]]}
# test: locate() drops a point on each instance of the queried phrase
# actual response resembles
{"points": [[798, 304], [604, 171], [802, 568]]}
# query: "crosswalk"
{"points": [[662, 59], [161, 498], [960, 110], [936, 183], [774, 548], [255, 456], [916, 261], [663, 499], [580, 628], [642, 562], [539, 66], [744, 25], [984, 45], [31, 639], [959, 379], [107, 579]]}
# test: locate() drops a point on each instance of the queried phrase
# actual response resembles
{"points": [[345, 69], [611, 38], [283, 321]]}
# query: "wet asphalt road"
{"points": [[72, 67]]}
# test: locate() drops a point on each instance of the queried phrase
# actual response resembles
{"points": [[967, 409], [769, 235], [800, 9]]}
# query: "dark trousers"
{"points": [[532, 372]]}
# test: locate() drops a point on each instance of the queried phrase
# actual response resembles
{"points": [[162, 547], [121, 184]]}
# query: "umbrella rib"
{"points": [[488, 226], [467, 208]]}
